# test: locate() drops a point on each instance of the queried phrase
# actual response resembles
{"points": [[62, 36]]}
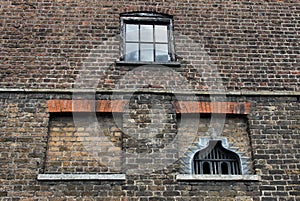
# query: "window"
{"points": [[215, 159], [147, 37]]}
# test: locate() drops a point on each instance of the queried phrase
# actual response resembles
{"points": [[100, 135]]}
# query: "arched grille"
{"points": [[215, 159]]}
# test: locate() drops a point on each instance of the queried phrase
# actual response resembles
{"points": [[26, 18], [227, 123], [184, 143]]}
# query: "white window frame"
{"points": [[153, 18]]}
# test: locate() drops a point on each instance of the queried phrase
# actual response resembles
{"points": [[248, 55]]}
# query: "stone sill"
{"points": [[189, 177], [70, 177], [140, 63]]}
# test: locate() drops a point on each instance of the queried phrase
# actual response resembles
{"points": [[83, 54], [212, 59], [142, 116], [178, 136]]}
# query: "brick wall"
{"points": [[246, 49], [272, 130], [274, 127], [254, 44], [149, 123]]}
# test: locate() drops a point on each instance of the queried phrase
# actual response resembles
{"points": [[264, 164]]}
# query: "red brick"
{"points": [[56, 106]]}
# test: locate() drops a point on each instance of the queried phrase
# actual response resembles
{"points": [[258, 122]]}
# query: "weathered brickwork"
{"points": [[82, 147], [148, 124], [24, 123], [274, 127], [248, 50], [254, 44], [271, 127]]}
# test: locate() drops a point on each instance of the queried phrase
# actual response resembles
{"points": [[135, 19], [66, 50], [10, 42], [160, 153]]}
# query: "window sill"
{"points": [[70, 177], [190, 177], [139, 63]]}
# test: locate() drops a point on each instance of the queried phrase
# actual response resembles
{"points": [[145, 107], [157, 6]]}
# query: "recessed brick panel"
{"points": [[77, 146]]}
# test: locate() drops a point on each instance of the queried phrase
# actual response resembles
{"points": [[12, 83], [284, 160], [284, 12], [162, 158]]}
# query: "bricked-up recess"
{"points": [[80, 149], [57, 106]]}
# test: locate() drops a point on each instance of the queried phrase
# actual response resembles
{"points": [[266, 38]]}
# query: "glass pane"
{"points": [[132, 52], [147, 33], [161, 33], [161, 53], [132, 32], [147, 52]]}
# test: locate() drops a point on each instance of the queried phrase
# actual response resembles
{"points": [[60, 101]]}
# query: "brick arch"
{"points": [[146, 8]]}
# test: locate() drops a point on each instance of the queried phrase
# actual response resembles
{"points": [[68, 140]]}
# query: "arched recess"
{"points": [[215, 159]]}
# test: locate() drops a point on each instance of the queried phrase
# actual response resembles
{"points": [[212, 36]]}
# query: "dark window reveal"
{"points": [[215, 159]]}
